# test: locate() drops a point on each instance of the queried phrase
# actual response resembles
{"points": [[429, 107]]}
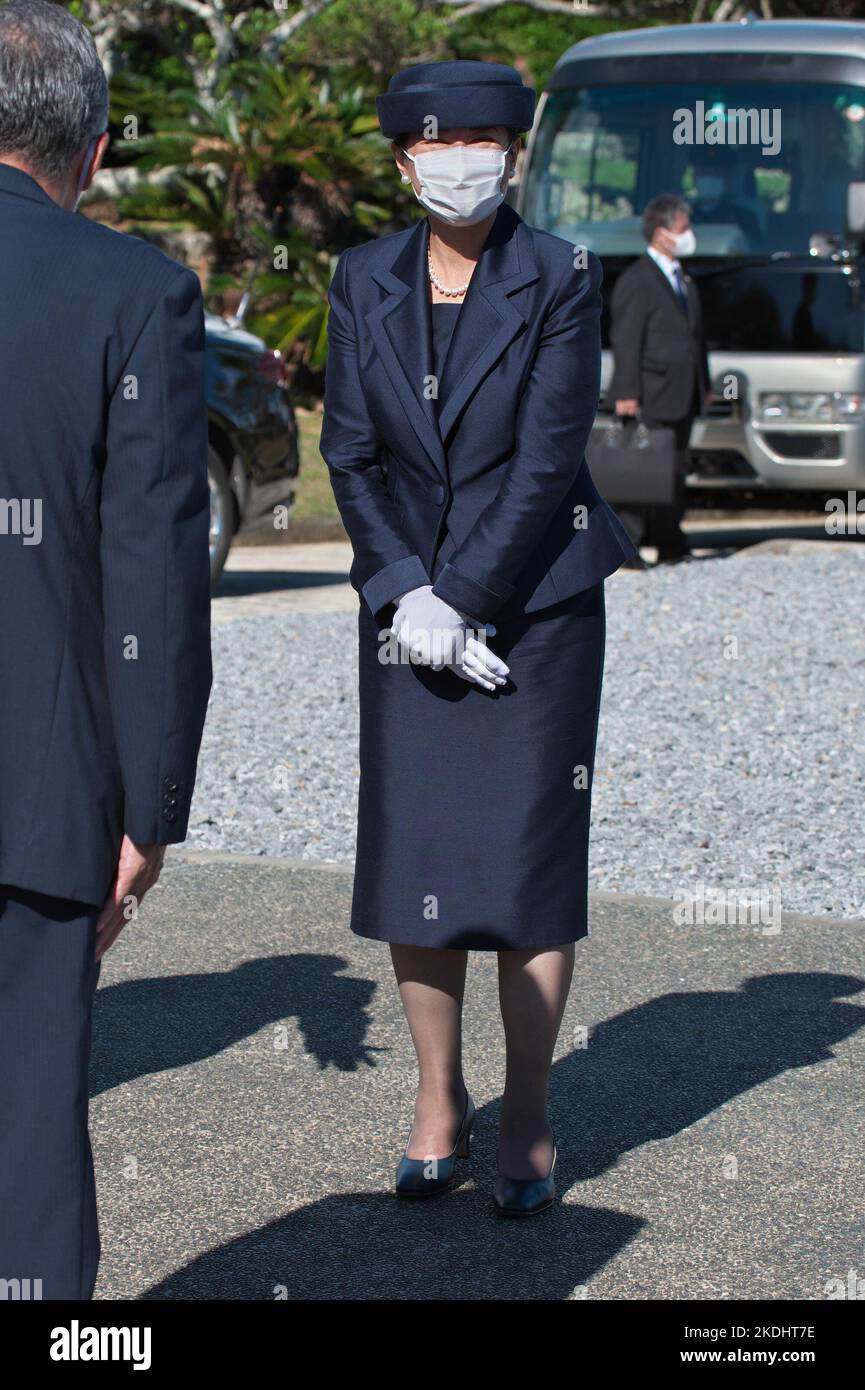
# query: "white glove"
{"points": [[429, 630], [480, 666]]}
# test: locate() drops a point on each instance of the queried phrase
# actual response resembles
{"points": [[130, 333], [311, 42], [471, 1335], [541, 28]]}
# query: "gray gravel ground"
{"points": [[730, 745]]}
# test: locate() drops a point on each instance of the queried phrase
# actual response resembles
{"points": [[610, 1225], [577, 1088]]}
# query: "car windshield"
{"points": [[601, 153]]}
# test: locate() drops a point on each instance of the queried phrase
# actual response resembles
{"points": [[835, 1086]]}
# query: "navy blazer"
{"points": [[104, 604], [489, 495]]}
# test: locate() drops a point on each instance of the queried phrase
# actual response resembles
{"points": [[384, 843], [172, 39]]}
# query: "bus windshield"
{"points": [[601, 153]]}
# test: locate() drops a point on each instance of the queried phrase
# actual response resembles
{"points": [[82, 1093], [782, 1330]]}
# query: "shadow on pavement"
{"points": [[647, 1074], [153, 1025], [653, 1071], [365, 1245], [237, 583], [702, 535]]}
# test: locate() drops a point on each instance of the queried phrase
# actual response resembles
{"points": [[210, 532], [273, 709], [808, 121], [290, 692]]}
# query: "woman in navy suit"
{"points": [[462, 382]]}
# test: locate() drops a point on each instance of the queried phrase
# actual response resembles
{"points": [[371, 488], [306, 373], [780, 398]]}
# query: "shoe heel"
{"points": [[463, 1148]]}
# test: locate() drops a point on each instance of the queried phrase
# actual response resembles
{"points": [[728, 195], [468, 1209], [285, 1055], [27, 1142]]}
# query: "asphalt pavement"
{"points": [[253, 1082]]}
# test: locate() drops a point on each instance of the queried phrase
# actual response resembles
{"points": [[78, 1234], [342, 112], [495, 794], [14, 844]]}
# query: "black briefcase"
{"points": [[630, 463]]}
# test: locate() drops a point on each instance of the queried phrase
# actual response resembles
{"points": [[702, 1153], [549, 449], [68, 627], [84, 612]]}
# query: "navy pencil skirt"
{"points": [[474, 808]]}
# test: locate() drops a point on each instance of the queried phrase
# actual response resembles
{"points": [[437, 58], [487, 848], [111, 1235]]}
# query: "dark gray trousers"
{"points": [[49, 1238]]}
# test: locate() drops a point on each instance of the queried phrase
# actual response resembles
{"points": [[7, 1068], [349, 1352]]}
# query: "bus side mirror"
{"points": [[856, 208]]}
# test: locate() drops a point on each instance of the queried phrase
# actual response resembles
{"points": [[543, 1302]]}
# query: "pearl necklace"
{"points": [[443, 289]]}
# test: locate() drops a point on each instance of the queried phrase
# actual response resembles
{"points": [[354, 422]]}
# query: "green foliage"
{"points": [[260, 154], [373, 38], [268, 141]]}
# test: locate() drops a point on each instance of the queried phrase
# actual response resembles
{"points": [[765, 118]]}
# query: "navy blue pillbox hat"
{"points": [[457, 93]]}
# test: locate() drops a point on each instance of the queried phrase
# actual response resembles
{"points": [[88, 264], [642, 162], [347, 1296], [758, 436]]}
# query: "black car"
{"points": [[253, 456]]}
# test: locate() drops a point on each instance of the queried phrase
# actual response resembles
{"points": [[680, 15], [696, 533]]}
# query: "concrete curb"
{"points": [[346, 868]]}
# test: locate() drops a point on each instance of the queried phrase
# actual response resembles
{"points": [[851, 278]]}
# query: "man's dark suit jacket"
{"points": [[491, 496], [104, 624], [659, 350]]}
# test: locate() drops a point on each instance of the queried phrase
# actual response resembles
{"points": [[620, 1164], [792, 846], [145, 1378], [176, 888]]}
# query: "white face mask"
{"points": [[461, 185], [685, 242]]}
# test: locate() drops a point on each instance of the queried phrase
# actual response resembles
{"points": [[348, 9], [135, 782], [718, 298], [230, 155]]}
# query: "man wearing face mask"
{"points": [[661, 369], [462, 383], [104, 617], [715, 204]]}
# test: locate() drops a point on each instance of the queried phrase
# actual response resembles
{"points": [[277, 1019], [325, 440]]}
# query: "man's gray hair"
{"points": [[53, 89]]}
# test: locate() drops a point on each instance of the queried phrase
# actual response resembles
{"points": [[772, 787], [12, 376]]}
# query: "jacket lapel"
{"points": [[488, 322], [400, 330]]}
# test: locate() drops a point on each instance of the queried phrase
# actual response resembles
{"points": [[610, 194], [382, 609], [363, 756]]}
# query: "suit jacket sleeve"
{"points": [[554, 420], [385, 564], [155, 564], [627, 330]]}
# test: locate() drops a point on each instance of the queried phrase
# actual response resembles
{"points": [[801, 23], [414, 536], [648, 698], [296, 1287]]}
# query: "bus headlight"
{"points": [[837, 407], [848, 405]]}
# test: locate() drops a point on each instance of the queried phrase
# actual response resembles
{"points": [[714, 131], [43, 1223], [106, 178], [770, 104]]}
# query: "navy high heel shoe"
{"points": [[525, 1196], [429, 1177]]}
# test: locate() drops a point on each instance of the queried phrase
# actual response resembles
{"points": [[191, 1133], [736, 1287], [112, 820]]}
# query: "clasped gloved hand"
{"points": [[428, 629], [480, 666], [434, 634]]}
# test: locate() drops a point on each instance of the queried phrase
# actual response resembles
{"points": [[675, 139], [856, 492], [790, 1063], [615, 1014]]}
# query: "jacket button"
{"points": [[169, 816], [170, 785]]}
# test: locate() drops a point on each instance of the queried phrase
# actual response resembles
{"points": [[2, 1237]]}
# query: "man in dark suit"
{"points": [[104, 618], [661, 369]]}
